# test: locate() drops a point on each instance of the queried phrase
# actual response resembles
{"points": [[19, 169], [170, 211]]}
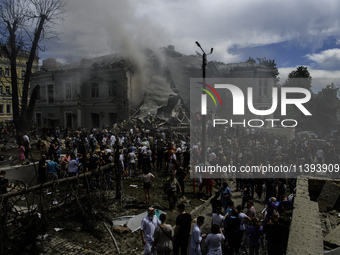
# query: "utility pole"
{"points": [[203, 117]]}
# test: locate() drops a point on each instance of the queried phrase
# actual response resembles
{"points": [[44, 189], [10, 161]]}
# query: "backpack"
{"points": [[166, 186]]}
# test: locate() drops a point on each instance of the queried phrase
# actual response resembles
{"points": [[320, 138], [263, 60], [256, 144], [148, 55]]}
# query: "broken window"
{"points": [[50, 95], [113, 89], [95, 120], [94, 90]]}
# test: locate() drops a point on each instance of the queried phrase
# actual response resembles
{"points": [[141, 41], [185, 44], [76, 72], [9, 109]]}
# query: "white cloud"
{"points": [[114, 25], [320, 78], [327, 59]]}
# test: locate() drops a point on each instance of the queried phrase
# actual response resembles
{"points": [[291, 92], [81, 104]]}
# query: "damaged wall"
{"points": [[305, 236]]}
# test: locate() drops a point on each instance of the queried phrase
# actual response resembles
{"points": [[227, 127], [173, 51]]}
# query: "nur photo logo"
{"points": [[204, 97]]}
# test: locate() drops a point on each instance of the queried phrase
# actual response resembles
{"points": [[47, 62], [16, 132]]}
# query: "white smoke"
{"points": [[94, 28]]}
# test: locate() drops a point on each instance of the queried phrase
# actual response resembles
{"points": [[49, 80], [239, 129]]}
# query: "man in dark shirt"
{"points": [[3, 183], [275, 234], [182, 231], [181, 177]]}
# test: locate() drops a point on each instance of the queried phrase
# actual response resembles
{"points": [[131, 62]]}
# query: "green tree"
{"points": [[299, 78], [326, 103], [24, 25]]}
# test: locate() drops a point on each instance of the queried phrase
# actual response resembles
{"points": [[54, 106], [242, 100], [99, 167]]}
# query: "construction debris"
{"points": [[328, 196]]}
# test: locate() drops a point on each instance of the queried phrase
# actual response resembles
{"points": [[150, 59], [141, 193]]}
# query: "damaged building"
{"points": [[102, 91]]}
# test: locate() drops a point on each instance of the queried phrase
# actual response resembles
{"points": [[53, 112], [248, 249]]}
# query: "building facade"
{"points": [[100, 92], [6, 112], [92, 94]]}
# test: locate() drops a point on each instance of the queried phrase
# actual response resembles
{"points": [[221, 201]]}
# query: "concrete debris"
{"points": [[121, 229], [159, 206], [133, 222], [121, 221], [42, 237], [328, 224], [332, 239], [157, 96], [184, 200], [335, 251], [20, 210], [328, 196]]}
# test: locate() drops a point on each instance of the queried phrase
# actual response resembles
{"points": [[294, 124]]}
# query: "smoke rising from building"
{"points": [[96, 28]]}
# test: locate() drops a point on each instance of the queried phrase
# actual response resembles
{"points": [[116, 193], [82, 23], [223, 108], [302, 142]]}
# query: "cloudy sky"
{"points": [[303, 32]]}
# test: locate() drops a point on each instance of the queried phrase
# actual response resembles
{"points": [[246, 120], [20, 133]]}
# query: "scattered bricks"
{"points": [[328, 196]]}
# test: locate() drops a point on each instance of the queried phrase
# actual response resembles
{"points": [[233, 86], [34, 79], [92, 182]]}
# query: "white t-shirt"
{"points": [[217, 219], [242, 216]]}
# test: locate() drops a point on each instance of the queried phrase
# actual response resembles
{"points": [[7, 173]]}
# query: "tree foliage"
{"points": [[299, 78], [24, 25], [325, 106], [268, 63]]}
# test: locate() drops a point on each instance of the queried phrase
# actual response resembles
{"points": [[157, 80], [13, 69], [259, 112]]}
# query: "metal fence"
{"points": [[26, 211]]}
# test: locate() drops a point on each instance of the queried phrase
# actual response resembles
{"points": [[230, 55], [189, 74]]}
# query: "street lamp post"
{"points": [[203, 117]]}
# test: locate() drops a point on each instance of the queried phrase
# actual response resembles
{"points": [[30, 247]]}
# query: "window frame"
{"points": [[94, 90]]}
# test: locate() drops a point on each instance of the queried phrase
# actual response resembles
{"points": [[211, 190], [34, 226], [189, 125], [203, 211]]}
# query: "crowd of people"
{"points": [[232, 229], [139, 152], [136, 153]]}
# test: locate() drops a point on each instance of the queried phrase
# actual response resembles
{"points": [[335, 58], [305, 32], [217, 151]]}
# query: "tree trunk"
{"points": [[33, 99], [12, 56], [24, 106]]}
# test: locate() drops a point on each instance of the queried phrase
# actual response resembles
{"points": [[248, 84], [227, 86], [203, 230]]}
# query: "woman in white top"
{"points": [[217, 218], [73, 165], [214, 241]]}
